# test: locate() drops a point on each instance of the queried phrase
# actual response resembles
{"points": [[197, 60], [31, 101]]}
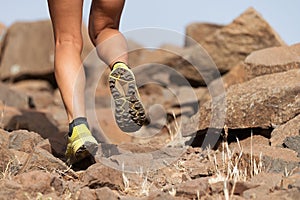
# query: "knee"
{"points": [[69, 41]]}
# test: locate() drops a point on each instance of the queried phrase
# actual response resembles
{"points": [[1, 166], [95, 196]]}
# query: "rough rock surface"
{"points": [[197, 32], [232, 43], [28, 50], [273, 60], [265, 101], [2, 32], [255, 154], [13, 98], [17, 59], [290, 128]]}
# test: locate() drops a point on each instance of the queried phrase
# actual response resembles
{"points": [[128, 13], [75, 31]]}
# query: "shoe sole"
{"points": [[129, 111], [87, 149]]}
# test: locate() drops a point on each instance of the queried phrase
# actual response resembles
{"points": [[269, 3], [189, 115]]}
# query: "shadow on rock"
{"points": [[43, 124]]}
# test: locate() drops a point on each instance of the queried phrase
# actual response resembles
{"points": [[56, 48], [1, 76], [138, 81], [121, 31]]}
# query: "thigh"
{"points": [[66, 17], [104, 14]]}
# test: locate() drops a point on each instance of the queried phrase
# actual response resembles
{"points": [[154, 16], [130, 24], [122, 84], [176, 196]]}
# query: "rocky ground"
{"points": [[223, 127]]}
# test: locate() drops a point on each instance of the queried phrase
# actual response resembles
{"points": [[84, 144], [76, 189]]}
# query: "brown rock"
{"points": [[292, 181], [232, 43], [42, 159], [290, 128], [194, 64], [160, 195], [260, 146], [9, 189], [4, 138], [13, 98], [23, 140], [266, 182], [2, 32], [28, 186], [7, 113], [20, 156], [292, 194], [191, 188], [236, 75], [105, 193], [35, 181], [99, 175], [46, 126], [261, 102], [28, 51], [272, 60], [86, 194], [39, 91], [7, 162], [266, 158], [176, 63], [197, 32], [293, 143]]}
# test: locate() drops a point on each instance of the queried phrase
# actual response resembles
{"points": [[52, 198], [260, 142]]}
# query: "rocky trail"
{"points": [[225, 118]]}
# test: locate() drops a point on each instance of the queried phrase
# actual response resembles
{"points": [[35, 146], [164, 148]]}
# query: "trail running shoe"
{"points": [[80, 145], [129, 111]]}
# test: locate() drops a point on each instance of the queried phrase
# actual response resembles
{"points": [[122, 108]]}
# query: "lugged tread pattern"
{"points": [[129, 111]]}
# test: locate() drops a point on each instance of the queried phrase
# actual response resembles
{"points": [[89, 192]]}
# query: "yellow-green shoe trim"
{"points": [[80, 145]]}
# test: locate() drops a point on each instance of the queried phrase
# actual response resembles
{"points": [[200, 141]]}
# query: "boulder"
{"points": [[13, 98], [272, 60], [236, 75], [105, 193], [41, 158], [2, 33], [272, 159], [23, 140], [267, 182], [225, 48], [7, 113], [193, 188], [86, 193], [232, 43], [42, 123], [290, 128], [192, 64], [263, 102], [28, 119], [35, 181], [40, 92], [293, 143], [28, 51], [99, 175], [197, 32], [7, 162]]}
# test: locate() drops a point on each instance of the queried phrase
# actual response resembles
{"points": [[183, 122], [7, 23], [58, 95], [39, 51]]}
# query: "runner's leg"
{"points": [[66, 19], [104, 31]]}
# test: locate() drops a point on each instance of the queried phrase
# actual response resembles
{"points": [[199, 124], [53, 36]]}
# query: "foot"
{"points": [[81, 144], [129, 111]]}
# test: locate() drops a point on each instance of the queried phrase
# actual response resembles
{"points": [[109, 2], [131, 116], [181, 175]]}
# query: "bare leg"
{"points": [[112, 47], [66, 19], [103, 29]]}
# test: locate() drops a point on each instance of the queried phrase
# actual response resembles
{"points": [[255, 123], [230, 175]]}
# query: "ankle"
{"points": [[76, 122], [119, 63]]}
